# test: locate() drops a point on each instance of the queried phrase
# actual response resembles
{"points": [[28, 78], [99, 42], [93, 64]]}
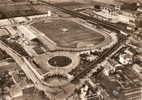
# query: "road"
{"points": [[26, 66], [23, 62], [99, 60], [20, 60], [89, 19], [94, 21]]}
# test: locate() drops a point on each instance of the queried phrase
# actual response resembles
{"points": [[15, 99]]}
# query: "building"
{"points": [[138, 69], [133, 94], [16, 92], [126, 57]]}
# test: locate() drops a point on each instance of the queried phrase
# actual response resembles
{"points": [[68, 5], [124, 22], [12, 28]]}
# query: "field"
{"points": [[17, 10], [69, 34]]}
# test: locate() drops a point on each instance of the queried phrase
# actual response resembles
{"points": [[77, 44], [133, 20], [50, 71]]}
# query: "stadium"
{"points": [[71, 34]]}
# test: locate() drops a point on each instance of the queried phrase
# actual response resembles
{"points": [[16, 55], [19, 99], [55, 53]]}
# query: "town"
{"points": [[70, 50]]}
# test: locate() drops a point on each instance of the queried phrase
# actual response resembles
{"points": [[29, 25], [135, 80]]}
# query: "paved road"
{"points": [[94, 21], [26, 67], [99, 60], [89, 19], [20, 60]]}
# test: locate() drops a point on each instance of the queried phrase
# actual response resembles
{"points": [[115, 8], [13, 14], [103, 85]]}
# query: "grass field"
{"points": [[67, 33]]}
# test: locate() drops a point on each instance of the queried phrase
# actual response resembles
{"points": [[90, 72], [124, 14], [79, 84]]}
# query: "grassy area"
{"points": [[68, 33]]}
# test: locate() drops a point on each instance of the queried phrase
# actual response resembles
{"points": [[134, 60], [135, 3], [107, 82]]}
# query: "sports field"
{"points": [[69, 34]]}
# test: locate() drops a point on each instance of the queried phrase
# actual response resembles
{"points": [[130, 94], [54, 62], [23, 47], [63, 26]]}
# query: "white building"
{"points": [[125, 59]]}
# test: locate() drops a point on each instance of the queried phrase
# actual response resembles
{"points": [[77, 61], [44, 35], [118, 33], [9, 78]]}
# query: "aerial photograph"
{"points": [[70, 49]]}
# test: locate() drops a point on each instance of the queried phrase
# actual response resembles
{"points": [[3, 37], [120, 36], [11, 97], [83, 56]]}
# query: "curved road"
{"points": [[94, 21], [25, 65], [89, 19]]}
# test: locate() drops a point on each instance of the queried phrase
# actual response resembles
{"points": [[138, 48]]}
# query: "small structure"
{"points": [[138, 69], [84, 92], [49, 13], [26, 32], [125, 59], [16, 92], [3, 32], [133, 94]]}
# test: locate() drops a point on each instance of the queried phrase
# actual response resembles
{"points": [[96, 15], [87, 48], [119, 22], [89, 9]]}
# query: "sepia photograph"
{"points": [[70, 49]]}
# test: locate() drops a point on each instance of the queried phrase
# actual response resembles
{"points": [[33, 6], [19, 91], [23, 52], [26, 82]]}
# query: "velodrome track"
{"points": [[94, 21], [110, 38]]}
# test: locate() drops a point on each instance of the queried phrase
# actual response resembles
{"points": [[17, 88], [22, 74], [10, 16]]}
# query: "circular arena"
{"points": [[60, 61], [57, 65]]}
